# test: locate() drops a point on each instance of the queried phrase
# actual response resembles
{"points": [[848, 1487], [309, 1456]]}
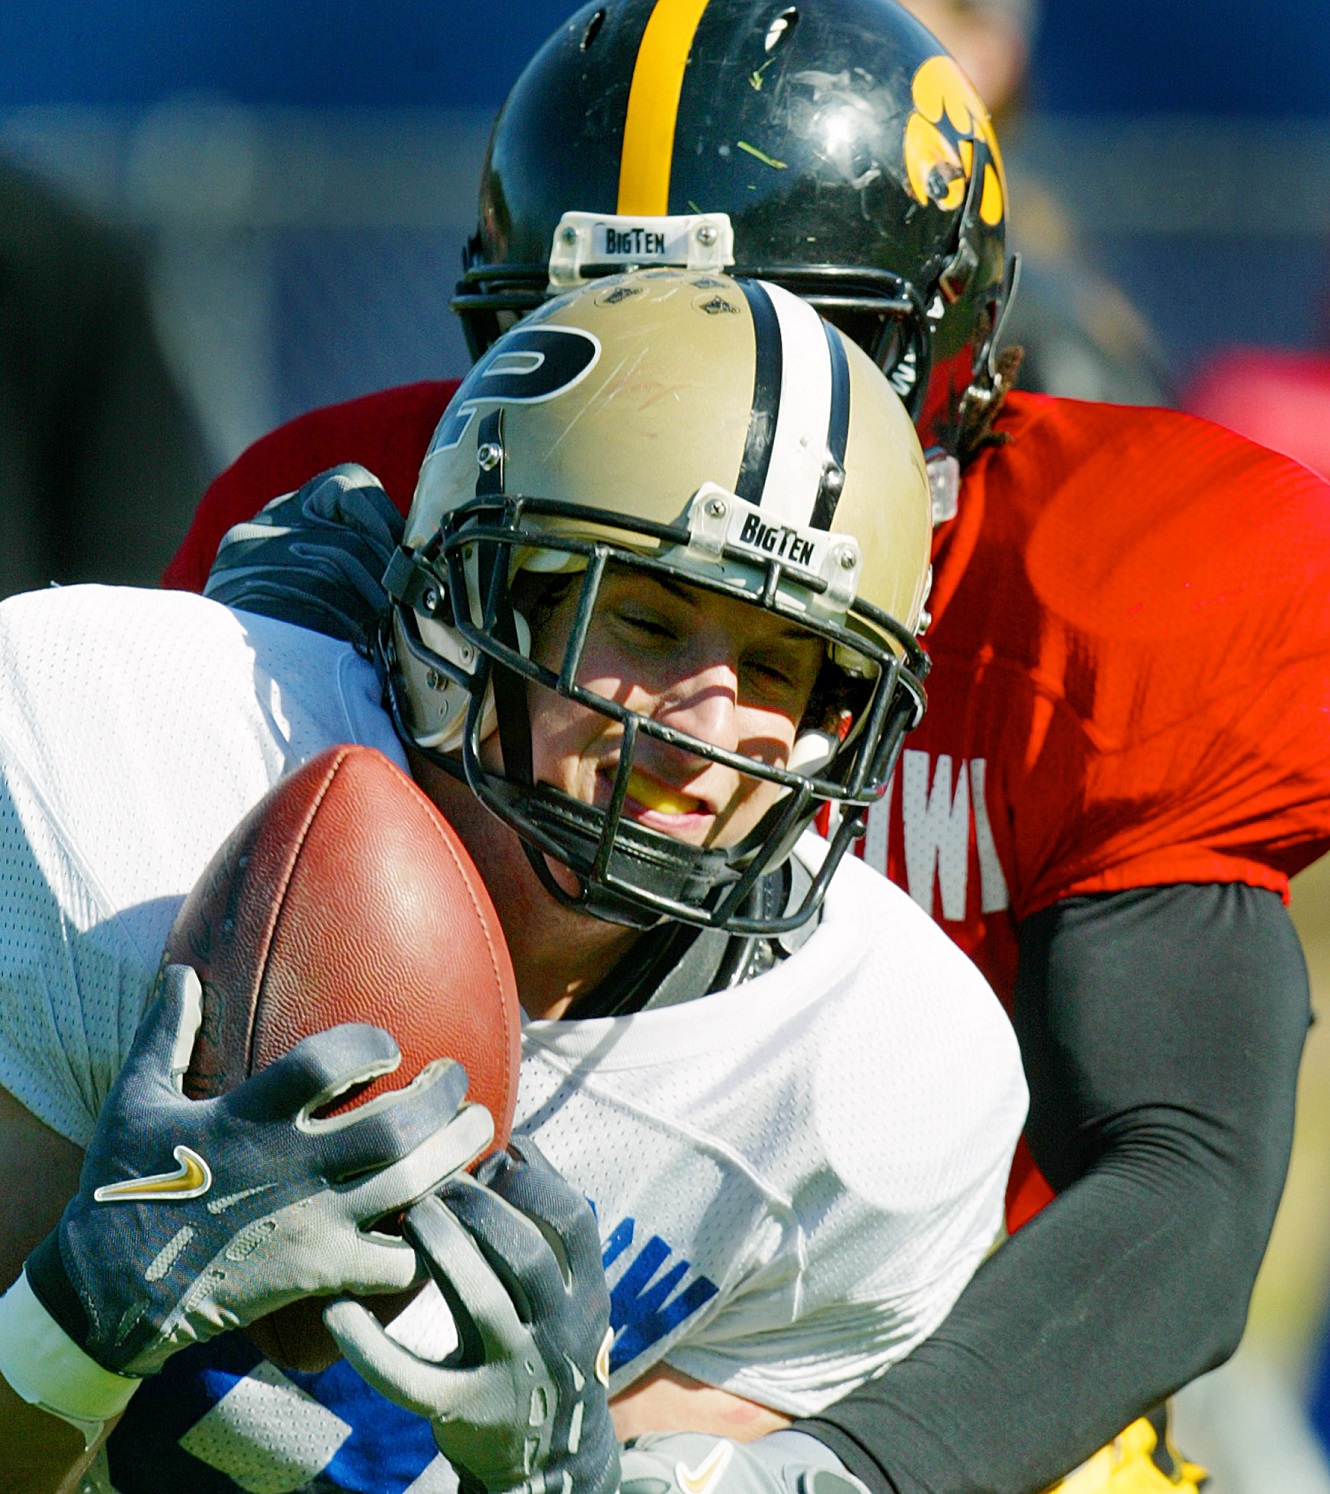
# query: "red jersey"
{"points": [[1131, 659]]}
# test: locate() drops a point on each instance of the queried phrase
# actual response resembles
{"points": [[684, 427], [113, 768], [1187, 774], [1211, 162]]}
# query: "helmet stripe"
{"points": [[653, 106], [767, 375], [801, 414], [838, 432]]}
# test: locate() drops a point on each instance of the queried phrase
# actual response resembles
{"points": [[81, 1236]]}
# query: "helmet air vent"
{"points": [[781, 29], [592, 30]]}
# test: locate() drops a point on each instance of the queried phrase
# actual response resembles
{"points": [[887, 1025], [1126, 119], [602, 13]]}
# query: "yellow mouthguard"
{"points": [[653, 795]]}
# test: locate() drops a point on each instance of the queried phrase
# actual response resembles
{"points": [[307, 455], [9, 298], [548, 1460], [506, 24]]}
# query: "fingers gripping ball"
{"points": [[193, 1217], [523, 1406], [344, 896]]}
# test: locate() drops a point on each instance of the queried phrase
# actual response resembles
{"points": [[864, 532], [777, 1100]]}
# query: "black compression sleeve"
{"points": [[1161, 1031]]}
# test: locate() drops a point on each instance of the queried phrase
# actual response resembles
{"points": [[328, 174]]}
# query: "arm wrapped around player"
{"points": [[523, 1403], [315, 557], [193, 1217]]}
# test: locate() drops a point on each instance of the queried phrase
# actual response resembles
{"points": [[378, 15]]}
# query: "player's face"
{"points": [[721, 670]]}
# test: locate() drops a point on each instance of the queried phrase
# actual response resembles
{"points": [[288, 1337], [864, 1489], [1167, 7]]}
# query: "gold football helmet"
{"points": [[712, 431]]}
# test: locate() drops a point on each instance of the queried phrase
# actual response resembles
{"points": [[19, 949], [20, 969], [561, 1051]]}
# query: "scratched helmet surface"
{"points": [[830, 146], [698, 430]]}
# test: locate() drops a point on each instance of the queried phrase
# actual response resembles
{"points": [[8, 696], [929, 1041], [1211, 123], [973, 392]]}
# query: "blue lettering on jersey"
{"points": [[165, 1439], [642, 1313], [203, 1422]]}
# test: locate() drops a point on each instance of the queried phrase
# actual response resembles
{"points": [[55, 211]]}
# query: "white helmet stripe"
{"points": [[800, 443]]}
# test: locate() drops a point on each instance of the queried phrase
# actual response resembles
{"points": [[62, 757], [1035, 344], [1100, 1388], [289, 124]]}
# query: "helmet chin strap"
{"points": [[590, 897], [510, 709], [623, 857], [514, 726]]}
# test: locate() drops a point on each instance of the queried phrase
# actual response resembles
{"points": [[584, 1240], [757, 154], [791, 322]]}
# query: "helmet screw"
{"points": [[488, 456], [568, 235], [846, 558], [706, 234], [430, 597], [433, 679], [715, 508]]}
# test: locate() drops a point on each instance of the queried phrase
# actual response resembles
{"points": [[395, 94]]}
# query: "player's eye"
{"points": [[784, 677], [772, 674], [647, 626]]}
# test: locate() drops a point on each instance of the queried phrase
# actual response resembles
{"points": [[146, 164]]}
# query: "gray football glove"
{"points": [[523, 1403], [315, 557], [698, 1463], [193, 1217]]}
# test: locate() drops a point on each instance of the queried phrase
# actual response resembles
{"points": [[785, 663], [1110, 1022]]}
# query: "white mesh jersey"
{"points": [[793, 1178]]}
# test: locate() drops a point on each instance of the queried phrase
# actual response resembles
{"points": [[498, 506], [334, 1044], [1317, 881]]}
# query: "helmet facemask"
{"points": [[867, 695]]}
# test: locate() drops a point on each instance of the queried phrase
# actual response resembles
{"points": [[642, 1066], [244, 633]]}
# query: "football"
{"points": [[345, 896]]}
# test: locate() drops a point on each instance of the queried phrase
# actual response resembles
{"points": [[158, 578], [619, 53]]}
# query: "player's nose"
{"points": [[704, 703]]}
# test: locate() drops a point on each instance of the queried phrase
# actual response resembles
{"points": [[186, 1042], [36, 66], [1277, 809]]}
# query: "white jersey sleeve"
{"points": [[136, 729]]}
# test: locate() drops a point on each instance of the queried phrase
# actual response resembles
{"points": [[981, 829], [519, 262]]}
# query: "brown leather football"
{"points": [[345, 896]]}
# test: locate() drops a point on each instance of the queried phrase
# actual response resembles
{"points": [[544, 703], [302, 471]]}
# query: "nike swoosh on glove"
{"points": [[699, 1463], [523, 1405], [197, 1216]]}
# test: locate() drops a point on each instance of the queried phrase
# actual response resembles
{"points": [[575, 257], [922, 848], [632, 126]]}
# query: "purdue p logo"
{"points": [[530, 365]]}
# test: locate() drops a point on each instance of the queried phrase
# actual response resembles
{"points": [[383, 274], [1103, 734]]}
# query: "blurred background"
{"points": [[304, 173], [273, 199]]}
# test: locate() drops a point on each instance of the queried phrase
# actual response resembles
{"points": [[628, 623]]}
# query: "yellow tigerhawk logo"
{"points": [[949, 119]]}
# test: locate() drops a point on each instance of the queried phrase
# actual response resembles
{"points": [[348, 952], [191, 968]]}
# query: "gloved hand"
{"points": [[523, 1403], [263, 1202], [699, 1463], [315, 557]]}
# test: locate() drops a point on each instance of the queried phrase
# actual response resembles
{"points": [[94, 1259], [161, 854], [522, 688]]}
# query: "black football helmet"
{"points": [[830, 146]]}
